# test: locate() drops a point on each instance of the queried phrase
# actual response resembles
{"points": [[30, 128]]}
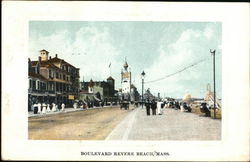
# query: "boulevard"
{"points": [[113, 123]]}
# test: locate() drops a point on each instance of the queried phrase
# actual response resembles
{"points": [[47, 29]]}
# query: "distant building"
{"points": [[128, 91], [134, 95], [126, 82], [98, 90], [52, 80]]}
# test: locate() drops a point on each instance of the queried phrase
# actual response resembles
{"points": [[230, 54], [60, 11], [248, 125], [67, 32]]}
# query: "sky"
{"points": [[158, 48]]}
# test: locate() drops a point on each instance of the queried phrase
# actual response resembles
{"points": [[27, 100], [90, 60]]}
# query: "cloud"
{"points": [[91, 50], [190, 47], [174, 46]]}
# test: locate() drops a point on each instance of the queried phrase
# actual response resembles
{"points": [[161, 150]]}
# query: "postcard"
{"points": [[127, 81]]}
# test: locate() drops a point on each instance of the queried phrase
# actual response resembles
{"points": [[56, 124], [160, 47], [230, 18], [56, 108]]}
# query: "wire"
{"points": [[177, 72]]}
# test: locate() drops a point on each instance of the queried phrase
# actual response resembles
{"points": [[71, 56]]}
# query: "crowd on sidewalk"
{"points": [[43, 108], [156, 107]]}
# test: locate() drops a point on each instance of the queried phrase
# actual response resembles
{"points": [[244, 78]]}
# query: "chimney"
{"points": [[50, 57], [39, 58], [56, 55], [44, 55]]}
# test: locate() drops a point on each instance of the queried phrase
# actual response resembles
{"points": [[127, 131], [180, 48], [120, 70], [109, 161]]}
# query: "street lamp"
{"points": [[142, 77], [213, 53]]}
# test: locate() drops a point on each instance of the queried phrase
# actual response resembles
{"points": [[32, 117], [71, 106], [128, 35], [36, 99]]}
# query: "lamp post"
{"points": [[142, 77], [213, 53]]}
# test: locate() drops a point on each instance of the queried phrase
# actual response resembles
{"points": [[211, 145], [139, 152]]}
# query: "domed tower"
{"points": [[126, 79], [125, 66]]}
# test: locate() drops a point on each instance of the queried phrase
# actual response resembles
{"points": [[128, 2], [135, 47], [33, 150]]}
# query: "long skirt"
{"points": [[48, 108], [44, 110]]}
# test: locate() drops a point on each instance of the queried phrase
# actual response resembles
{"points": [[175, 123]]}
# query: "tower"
{"points": [[126, 80]]}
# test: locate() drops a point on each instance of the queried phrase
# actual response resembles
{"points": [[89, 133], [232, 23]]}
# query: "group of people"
{"points": [[157, 106], [43, 108], [153, 105]]}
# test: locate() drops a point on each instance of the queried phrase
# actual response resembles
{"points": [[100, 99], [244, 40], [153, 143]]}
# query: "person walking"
{"points": [[63, 106], [159, 109], [147, 104], [153, 107], [48, 107], [75, 105], [44, 108], [53, 107], [39, 105], [35, 108]]}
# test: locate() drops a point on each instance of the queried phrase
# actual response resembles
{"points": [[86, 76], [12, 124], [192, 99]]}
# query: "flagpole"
{"points": [[110, 69]]}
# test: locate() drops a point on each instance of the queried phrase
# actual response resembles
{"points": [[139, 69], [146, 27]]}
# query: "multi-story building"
{"points": [[52, 80]]}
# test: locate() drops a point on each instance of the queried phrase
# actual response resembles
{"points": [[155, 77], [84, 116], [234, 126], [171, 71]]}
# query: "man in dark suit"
{"points": [[153, 107], [147, 104]]}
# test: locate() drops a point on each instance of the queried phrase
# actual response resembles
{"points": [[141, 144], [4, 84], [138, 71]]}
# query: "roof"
{"points": [[133, 86], [44, 50], [110, 78], [44, 64], [56, 60], [38, 76]]}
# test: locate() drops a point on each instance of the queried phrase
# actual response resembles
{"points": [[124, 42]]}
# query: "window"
{"points": [[37, 85], [30, 83], [36, 70], [64, 77], [57, 75]]}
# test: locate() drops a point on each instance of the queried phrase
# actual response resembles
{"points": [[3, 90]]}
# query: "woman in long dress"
{"points": [[63, 106], [48, 107], [44, 108], [75, 105], [53, 107], [39, 105], [159, 111]]}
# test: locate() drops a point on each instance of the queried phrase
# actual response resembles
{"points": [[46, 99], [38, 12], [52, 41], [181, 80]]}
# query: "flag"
{"points": [[109, 65]]}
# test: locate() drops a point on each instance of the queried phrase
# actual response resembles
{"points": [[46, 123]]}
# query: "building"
{"points": [[125, 82], [52, 80], [135, 96], [98, 90], [128, 91]]}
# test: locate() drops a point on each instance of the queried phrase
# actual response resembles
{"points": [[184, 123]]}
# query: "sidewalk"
{"points": [[172, 125], [66, 110]]}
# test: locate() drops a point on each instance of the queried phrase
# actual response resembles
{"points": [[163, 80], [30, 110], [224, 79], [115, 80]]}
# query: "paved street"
{"points": [[91, 124], [119, 124], [172, 125]]}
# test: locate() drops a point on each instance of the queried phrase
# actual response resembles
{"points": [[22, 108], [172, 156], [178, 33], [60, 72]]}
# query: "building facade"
{"points": [[98, 90], [52, 80]]}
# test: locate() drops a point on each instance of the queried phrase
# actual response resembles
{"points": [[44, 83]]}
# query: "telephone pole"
{"points": [[213, 53]]}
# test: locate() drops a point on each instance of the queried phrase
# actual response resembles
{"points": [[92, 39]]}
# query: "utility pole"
{"points": [[143, 76], [213, 53], [142, 92]]}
